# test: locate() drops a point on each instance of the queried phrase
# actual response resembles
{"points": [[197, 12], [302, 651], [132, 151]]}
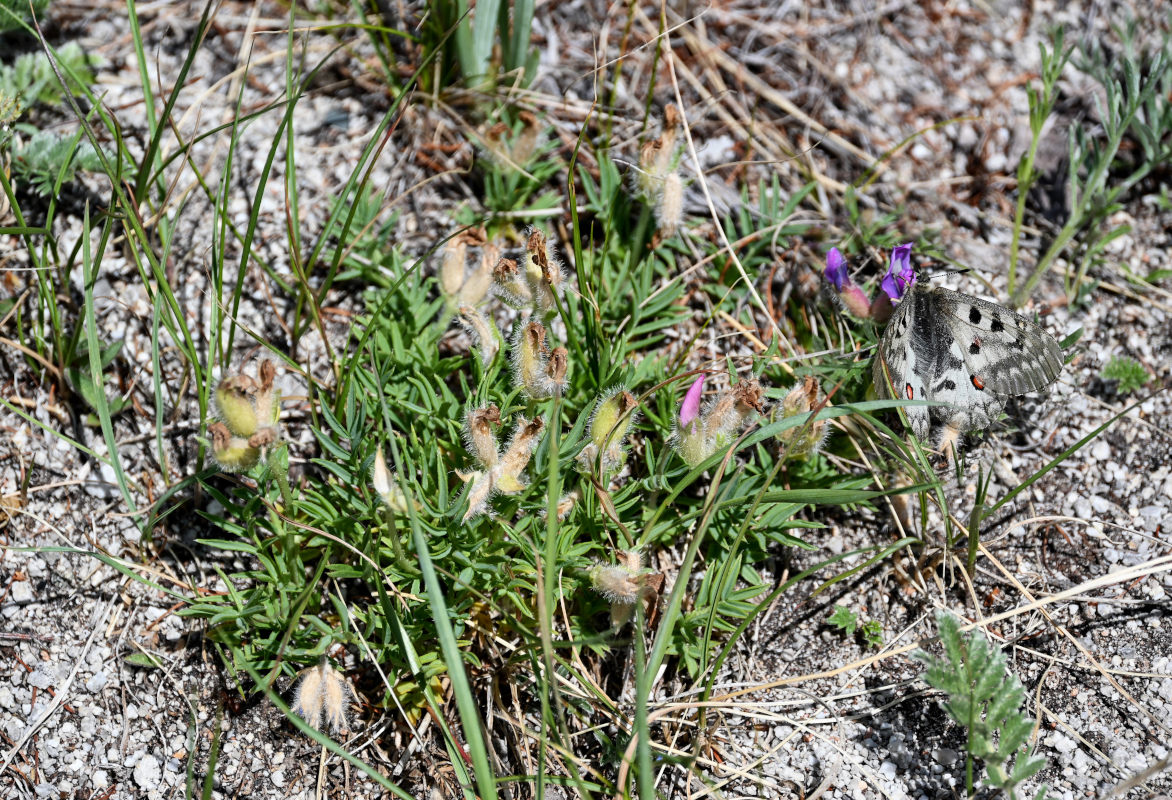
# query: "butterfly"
{"points": [[969, 353]]}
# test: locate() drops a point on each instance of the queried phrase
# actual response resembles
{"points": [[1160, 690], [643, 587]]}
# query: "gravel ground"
{"points": [[81, 720]]}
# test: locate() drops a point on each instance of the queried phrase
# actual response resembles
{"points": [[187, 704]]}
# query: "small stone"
{"points": [[945, 755], [97, 683], [22, 594], [41, 678], [147, 772]]}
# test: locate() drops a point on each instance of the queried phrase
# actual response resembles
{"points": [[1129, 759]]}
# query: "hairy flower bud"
{"points": [[481, 441], [509, 284], [323, 691], [612, 418], [555, 371], [624, 584], [806, 438], [527, 139], [690, 439], [235, 404], [477, 284], [733, 409], [509, 478], [483, 333], [451, 272], [383, 481], [669, 210], [543, 272], [232, 453], [530, 359]]}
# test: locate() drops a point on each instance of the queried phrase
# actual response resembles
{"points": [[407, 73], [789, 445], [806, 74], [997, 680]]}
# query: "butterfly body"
{"points": [[957, 349]]}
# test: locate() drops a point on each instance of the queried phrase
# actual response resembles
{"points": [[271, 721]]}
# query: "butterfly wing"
{"points": [[1006, 354], [895, 367]]}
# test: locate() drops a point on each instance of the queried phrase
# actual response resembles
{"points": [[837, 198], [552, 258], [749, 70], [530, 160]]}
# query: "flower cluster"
{"points": [[323, 692], [513, 148], [807, 438], [899, 277], [534, 285], [246, 409], [624, 584], [497, 473], [537, 370], [614, 413], [699, 434]]}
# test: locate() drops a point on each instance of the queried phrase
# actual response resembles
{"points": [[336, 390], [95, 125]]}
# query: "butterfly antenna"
{"points": [[929, 274]]}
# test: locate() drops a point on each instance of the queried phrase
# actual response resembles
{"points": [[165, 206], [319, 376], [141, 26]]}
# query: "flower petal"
{"points": [[900, 273], [836, 269], [690, 408]]}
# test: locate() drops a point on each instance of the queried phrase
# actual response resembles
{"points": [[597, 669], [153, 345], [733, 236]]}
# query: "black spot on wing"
{"points": [[975, 315], [996, 325], [946, 385]]}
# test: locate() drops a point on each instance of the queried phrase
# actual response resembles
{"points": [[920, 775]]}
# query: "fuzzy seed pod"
{"points": [[732, 409], [543, 272], [555, 371], [805, 439], [625, 584], [669, 211], [323, 691], [510, 286], [613, 415], [509, 479], [232, 453], [482, 487], [482, 331], [525, 145], [476, 287], [530, 358], [479, 438], [451, 271], [382, 480], [236, 404]]}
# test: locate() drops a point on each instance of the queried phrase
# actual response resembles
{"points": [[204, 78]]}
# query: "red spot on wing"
{"points": [[977, 382], [907, 390]]}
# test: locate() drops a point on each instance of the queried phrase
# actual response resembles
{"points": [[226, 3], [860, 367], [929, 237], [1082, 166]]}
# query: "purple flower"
{"points": [[836, 271], [690, 408], [900, 274]]}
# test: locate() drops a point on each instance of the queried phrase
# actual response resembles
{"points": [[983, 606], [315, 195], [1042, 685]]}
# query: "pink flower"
{"points": [[690, 408]]}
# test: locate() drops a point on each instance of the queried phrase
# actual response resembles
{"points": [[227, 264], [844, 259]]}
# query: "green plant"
{"points": [[32, 80], [47, 161], [88, 385], [985, 699], [464, 38], [872, 633], [1041, 103], [1129, 374], [14, 14], [848, 622], [1137, 106]]}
